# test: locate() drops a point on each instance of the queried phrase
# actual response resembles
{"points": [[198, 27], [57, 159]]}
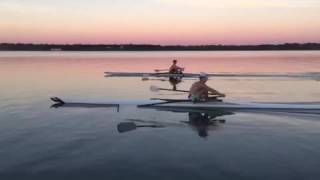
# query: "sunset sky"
{"points": [[160, 21]]}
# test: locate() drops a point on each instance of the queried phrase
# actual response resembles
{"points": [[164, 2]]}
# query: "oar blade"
{"points": [[154, 88], [126, 126]]}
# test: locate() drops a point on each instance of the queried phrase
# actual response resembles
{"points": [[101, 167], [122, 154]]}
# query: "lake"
{"points": [[43, 142]]}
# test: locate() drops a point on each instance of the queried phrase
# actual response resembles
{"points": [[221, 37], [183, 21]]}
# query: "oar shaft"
{"points": [[157, 70], [212, 95], [173, 90], [155, 89]]}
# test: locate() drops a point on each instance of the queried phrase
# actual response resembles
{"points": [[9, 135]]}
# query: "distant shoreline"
{"points": [[150, 47]]}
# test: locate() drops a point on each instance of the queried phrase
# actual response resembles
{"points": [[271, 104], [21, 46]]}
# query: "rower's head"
{"points": [[203, 77], [174, 61]]}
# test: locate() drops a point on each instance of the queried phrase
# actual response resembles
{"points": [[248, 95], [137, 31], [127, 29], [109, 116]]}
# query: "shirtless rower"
{"points": [[199, 91], [174, 69]]}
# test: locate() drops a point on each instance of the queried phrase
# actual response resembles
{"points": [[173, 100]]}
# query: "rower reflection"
{"points": [[200, 121], [174, 81], [203, 122]]}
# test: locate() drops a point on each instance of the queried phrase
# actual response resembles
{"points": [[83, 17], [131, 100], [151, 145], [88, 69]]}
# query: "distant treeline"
{"points": [[148, 47]]}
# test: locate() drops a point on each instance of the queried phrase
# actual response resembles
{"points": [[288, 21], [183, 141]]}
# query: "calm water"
{"points": [[40, 142]]}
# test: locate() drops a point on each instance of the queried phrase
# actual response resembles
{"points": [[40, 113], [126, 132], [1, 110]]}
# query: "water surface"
{"points": [[40, 142]]}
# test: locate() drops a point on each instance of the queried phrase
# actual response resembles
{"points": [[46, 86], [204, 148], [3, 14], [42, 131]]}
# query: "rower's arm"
{"points": [[181, 68], [175, 67], [214, 92]]}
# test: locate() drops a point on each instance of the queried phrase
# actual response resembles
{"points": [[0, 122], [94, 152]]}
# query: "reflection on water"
{"points": [[59, 103], [39, 142], [174, 81], [129, 126], [200, 121]]}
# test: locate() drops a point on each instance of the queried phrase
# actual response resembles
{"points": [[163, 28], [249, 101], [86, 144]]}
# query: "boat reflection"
{"points": [[199, 120]]}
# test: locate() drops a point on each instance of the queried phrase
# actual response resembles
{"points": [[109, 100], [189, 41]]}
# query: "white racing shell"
{"points": [[210, 105]]}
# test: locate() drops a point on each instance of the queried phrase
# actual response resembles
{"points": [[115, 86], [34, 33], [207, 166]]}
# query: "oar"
{"points": [[156, 89], [158, 70], [129, 126]]}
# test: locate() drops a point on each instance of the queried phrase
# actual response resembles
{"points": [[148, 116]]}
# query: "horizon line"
{"points": [[150, 44]]}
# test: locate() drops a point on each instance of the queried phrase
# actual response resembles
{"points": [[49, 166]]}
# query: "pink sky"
{"points": [[160, 21]]}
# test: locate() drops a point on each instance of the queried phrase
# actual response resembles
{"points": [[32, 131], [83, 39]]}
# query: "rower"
{"points": [[199, 91], [174, 69]]}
